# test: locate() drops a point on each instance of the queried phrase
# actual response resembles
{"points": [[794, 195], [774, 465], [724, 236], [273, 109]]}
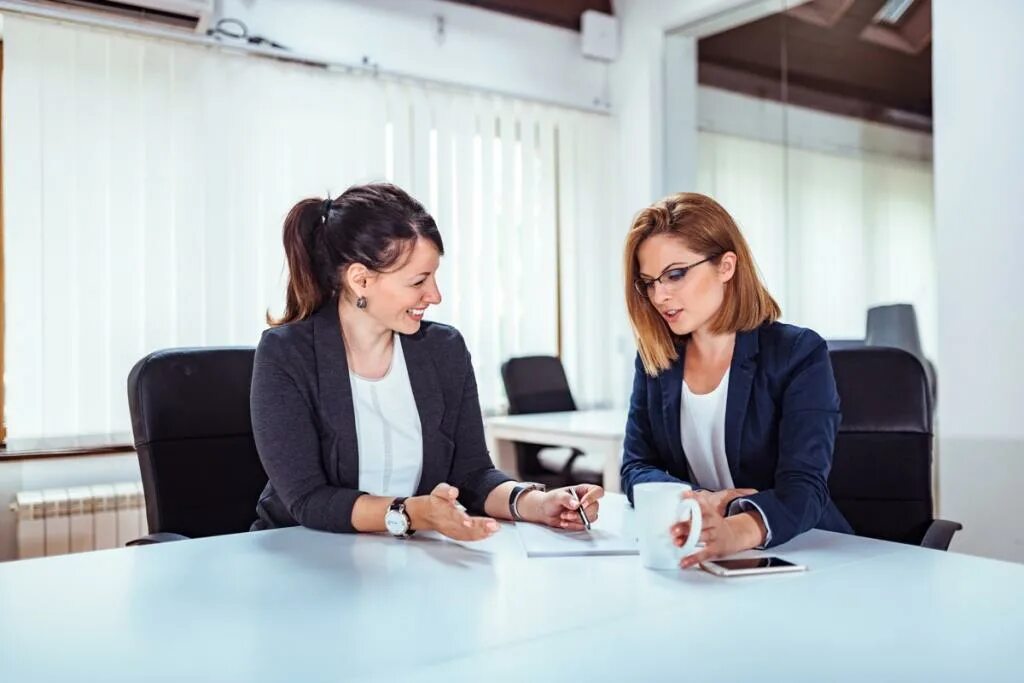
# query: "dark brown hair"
{"points": [[369, 224]]}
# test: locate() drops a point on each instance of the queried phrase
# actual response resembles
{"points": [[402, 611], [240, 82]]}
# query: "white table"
{"points": [[600, 432], [300, 605]]}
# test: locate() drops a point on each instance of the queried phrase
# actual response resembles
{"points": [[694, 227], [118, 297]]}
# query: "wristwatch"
{"points": [[397, 521], [518, 490]]}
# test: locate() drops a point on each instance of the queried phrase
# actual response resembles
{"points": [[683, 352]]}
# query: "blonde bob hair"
{"points": [[705, 227]]}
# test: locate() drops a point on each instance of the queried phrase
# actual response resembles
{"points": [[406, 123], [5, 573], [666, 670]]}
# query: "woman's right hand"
{"points": [[441, 512]]}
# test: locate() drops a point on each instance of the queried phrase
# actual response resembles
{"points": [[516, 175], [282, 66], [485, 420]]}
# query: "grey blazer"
{"points": [[304, 424]]}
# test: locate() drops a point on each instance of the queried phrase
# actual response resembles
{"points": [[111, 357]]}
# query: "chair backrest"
{"points": [[536, 384], [881, 472], [201, 473], [894, 325]]}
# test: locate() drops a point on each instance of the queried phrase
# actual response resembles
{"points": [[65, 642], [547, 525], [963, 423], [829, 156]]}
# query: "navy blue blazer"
{"points": [[781, 418]]}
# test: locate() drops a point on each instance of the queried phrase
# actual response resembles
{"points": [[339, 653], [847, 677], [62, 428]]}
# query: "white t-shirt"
{"points": [[388, 430], [702, 427]]}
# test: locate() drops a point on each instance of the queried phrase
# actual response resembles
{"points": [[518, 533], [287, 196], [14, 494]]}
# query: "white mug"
{"points": [[659, 506]]}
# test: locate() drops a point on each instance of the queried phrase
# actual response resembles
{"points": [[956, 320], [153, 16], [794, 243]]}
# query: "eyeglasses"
{"points": [[671, 278]]}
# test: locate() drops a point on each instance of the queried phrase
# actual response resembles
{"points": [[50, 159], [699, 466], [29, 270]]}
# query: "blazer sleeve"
{"points": [[641, 461], [473, 472], [288, 443], [807, 434]]}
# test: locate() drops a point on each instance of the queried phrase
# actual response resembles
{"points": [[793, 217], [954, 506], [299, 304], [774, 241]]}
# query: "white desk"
{"points": [[592, 431], [299, 605]]}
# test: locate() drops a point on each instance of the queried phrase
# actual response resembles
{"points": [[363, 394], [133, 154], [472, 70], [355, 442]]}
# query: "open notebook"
{"points": [[611, 534]]}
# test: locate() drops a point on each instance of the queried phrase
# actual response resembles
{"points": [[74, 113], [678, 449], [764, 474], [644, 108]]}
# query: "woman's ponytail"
{"points": [[305, 291]]}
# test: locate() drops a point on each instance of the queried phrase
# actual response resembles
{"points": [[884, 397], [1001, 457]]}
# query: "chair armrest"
{"points": [[162, 537], [939, 534]]}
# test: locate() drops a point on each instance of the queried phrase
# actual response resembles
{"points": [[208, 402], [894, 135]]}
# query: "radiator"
{"points": [[77, 519]]}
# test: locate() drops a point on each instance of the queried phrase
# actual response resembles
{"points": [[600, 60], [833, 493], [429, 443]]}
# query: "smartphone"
{"points": [[750, 565]]}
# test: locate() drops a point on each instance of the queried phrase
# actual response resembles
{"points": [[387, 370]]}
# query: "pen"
{"points": [[583, 515]]}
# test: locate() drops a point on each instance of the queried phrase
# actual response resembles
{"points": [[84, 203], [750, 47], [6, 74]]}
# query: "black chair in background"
{"points": [[881, 477], [537, 384], [894, 326], [201, 473]]}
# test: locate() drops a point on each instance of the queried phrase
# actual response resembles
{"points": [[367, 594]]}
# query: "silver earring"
{"points": [[361, 302]]}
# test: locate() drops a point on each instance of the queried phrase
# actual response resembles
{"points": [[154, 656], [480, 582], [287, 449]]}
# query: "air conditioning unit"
{"points": [[191, 15]]}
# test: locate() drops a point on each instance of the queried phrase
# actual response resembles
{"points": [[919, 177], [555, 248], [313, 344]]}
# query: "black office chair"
{"points": [[537, 384], [895, 326], [201, 473], [881, 472]]}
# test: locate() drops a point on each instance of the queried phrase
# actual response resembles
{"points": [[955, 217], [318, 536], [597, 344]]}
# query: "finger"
{"points": [[589, 493], [681, 530], [481, 524], [571, 526], [565, 499], [592, 510], [707, 536], [445, 491], [471, 534], [695, 559]]}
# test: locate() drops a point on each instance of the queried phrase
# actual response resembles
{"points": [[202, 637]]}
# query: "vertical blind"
{"points": [[146, 182], [832, 234]]}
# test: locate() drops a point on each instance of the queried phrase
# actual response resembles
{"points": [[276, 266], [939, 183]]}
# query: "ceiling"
{"points": [[564, 13], [834, 68]]}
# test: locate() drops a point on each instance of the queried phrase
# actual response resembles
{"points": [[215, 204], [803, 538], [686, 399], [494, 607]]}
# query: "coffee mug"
{"points": [[659, 506]]}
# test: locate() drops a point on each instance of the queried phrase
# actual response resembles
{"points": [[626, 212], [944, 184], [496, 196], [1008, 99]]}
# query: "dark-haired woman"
{"points": [[366, 417]]}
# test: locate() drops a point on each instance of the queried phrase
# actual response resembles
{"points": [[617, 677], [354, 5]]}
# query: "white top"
{"points": [[702, 427], [702, 423], [388, 430]]}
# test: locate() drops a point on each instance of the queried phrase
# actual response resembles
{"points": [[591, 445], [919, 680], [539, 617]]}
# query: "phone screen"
{"points": [[753, 563]]}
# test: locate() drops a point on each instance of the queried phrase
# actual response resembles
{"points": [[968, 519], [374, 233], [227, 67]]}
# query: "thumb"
{"points": [[446, 492], [566, 500]]}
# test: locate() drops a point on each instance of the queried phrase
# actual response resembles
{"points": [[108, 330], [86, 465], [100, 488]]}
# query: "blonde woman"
{"points": [[725, 398]]}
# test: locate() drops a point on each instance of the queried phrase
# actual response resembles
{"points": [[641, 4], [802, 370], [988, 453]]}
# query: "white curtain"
{"points": [[833, 234], [146, 182]]}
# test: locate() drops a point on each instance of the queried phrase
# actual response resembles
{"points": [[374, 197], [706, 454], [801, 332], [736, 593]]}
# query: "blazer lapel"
{"points": [[671, 398], [335, 390], [426, 389], [741, 379]]}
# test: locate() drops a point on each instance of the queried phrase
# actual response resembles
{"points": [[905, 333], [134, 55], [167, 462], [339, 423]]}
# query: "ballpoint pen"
{"points": [[583, 515]]}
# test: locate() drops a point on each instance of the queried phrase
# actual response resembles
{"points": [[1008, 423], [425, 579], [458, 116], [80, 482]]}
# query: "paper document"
{"points": [[611, 534]]}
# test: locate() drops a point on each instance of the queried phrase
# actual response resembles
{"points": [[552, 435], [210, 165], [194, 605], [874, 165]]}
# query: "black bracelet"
{"points": [[513, 497]]}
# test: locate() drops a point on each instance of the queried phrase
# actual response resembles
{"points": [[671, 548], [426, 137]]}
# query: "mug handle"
{"points": [[695, 525]]}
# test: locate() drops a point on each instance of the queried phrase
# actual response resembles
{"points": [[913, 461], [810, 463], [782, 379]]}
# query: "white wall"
{"points": [[480, 48], [978, 60], [979, 181]]}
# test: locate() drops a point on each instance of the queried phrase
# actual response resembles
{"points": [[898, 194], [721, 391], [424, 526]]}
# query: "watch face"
{"points": [[395, 522]]}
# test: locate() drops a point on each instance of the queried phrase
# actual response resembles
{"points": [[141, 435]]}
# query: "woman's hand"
{"points": [[559, 508], [441, 512], [721, 535], [720, 500]]}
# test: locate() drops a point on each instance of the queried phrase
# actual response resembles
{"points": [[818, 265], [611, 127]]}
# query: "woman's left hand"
{"points": [[558, 507], [722, 536]]}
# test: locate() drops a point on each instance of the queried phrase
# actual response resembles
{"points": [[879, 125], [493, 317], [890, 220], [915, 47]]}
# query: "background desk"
{"points": [[599, 432], [300, 605]]}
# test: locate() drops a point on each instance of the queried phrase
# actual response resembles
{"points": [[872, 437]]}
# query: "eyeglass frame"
{"points": [[641, 285]]}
